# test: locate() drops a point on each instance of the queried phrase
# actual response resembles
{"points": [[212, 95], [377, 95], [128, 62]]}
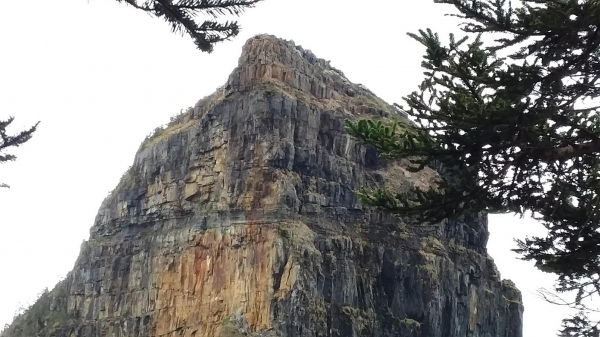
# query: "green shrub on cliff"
{"points": [[47, 315]]}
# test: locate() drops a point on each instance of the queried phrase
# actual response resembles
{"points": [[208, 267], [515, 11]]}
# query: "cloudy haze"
{"points": [[100, 75]]}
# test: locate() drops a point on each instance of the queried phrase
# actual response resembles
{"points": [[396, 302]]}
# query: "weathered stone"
{"points": [[241, 219]]}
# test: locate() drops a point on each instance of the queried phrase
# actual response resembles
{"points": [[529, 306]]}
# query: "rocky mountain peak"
{"points": [[265, 58], [241, 218], [268, 59]]}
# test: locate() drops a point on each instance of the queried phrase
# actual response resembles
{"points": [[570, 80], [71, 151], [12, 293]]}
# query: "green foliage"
{"points": [[7, 141], [154, 134], [410, 322], [181, 16], [46, 316], [512, 126], [161, 131], [511, 301]]}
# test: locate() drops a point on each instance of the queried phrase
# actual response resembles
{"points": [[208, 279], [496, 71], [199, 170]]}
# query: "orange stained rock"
{"points": [[217, 277]]}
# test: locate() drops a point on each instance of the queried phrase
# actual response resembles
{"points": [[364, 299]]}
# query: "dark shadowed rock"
{"points": [[241, 219]]}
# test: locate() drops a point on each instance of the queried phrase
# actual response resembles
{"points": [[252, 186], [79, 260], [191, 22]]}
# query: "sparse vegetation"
{"points": [[351, 311], [456, 247], [182, 119], [410, 322], [160, 132], [47, 314], [511, 301], [377, 102], [429, 267], [431, 250], [229, 328], [433, 244]]}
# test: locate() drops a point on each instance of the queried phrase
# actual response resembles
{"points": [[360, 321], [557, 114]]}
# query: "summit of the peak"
{"points": [[291, 68]]}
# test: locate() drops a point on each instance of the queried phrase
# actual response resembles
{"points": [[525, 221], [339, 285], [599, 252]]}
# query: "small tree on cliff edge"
{"points": [[518, 133], [181, 14]]}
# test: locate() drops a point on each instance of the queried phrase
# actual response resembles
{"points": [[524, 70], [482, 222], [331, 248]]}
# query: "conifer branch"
{"points": [[181, 14]]}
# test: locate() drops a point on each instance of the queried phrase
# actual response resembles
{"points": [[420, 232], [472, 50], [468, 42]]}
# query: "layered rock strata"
{"points": [[241, 219]]}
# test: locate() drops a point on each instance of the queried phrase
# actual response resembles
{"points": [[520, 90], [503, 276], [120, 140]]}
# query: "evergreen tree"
{"points": [[8, 141], [512, 126], [181, 16]]}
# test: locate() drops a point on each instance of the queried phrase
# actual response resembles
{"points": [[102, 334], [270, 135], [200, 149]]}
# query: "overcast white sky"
{"points": [[100, 75]]}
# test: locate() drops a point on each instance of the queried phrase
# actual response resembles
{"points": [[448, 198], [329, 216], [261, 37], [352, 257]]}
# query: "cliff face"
{"points": [[240, 219]]}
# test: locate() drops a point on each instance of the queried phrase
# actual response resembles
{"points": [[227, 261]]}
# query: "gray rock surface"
{"points": [[241, 219]]}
